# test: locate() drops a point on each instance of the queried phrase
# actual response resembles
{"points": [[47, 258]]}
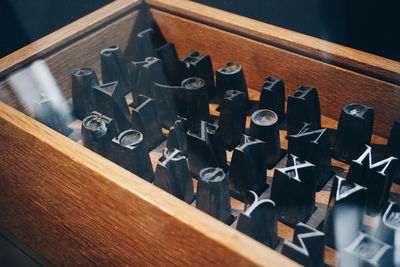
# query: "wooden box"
{"points": [[76, 208]]}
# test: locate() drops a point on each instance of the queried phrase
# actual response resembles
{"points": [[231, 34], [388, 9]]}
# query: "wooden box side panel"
{"points": [[339, 55], [76, 208], [337, 86]]}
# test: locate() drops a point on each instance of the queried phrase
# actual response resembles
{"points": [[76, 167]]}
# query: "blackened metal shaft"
{"points": [[213, 194]]}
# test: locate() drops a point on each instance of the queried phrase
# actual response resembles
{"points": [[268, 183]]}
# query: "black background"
{"points": [[371, 26], [24, 21]]}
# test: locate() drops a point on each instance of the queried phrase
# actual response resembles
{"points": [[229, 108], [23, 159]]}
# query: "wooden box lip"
{"points": [[125, 184], [329, 52]]}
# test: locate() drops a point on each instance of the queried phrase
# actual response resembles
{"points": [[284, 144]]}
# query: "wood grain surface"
{"points": [[76, 208], [346, 57], [65, 34], [336, 86]]}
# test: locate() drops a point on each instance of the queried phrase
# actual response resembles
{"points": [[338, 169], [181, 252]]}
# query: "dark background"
{"points": [[24, 21], [371, 26]]}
